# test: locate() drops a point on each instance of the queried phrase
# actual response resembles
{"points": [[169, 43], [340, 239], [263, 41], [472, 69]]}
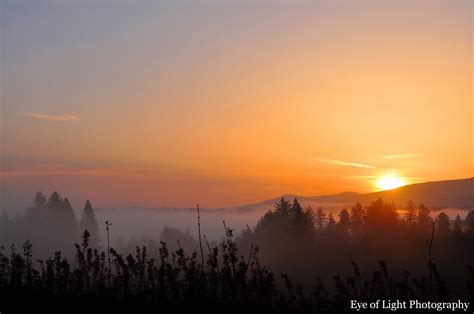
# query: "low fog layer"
{"points": [[137, 222]]}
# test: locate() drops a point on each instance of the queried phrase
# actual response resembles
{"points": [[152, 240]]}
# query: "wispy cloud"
{"points": [[343, 163], [403, 156], [58, 118]]}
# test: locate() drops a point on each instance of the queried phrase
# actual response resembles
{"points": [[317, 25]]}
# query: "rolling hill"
{"points": [[436, 195]]}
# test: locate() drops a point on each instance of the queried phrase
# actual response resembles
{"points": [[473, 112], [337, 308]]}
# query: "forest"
{"points": [[294, 260]]}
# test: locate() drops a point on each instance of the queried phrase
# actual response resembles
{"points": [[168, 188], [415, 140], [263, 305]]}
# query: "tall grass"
{"points": [[227, 280]]}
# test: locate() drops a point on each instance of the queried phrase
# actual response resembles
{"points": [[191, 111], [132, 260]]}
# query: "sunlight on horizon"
{"points": [[389, 182]]}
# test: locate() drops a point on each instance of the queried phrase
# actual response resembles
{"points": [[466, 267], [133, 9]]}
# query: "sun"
{"points": [[388, 182]]}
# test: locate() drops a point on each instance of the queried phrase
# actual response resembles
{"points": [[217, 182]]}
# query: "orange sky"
{"points": [[223, 104]]}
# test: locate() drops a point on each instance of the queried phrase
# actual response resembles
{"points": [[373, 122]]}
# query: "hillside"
{"points": [[435, 195]]}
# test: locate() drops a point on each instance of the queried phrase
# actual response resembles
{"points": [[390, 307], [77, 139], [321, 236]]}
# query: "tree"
{"points": [[320, 218], [39, 201], [67, 215], [457, 230], [4, 229], [344, 221], [68, 225], [282, 207], [54, 202], [331, 222], [442, 225], [173, 236], [36, 216], [301, 221], [424, 220], [357, 218], [470, 222], [89, 223], [381, 215], [411, 213]]}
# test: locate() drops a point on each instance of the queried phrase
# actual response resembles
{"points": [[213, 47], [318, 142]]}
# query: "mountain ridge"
{"points": [[457, 193]]}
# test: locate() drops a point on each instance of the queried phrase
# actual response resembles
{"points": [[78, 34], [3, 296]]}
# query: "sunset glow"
{"points": [[179, 103], [389, 182]]}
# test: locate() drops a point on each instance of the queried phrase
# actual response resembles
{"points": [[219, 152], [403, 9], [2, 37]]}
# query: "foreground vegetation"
{"points": [[232, 276], [225, 281]]}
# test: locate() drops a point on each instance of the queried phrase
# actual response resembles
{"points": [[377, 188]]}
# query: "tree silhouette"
{"points": [[39, 201], [442, 225], [344, 222], [411, 214], [457, 229], [282, 207], [89, 223], [381, 215], [357, 218], [470, 222], [301, 221], [331, 222], [424, 220], [320, 218], [55, 202]]}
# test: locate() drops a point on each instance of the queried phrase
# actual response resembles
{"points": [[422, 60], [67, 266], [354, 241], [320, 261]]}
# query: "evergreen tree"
{"points": [[89, 223], [36, 216], [282, 207], [381, 215], [457, 229], [62, 224], [67, 215], [296, 211], [411, 214], [357, 218], [424, 220], [302, 221], [469, 221], [344, 221], [4, 229], [54, 202], [331, 222], [320, 218], [442, 225], [39, 201], [68, 223]]}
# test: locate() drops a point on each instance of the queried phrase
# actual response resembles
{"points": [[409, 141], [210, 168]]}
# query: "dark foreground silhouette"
{"points": [[310, 259], [225, 282]]}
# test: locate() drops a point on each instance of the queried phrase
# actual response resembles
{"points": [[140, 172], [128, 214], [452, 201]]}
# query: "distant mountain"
{"points": [[435, 195]]}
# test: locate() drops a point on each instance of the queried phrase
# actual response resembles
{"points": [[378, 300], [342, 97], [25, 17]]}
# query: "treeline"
{"points": [[329, 260], [303, 241], [51, 224]]}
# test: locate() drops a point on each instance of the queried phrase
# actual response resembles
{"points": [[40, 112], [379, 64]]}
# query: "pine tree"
{"points": [[442, 225], [89, 223], [54, 204], [67, 214], [39, 201], [4, 229], [411, 213], [282, 207], [301, 220], [469, 221], [357, 218], [296, 211], [344, 221], [68, 223], [331, 222], [36, 215], [424, 220], [381, 215], [457, 229], [320, 218]]}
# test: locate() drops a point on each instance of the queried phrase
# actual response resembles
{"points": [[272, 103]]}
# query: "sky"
{"points": [[161, 103]]}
